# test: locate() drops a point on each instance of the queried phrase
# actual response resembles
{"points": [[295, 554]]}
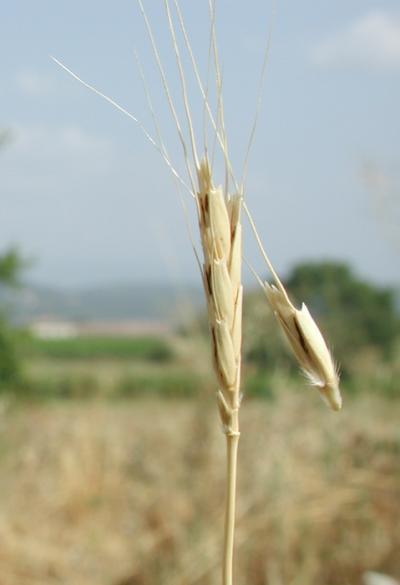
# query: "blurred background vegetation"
{"points": [[361, 321], [11, 266]]}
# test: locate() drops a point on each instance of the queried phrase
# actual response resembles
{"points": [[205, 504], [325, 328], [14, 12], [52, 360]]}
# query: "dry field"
{"points": [[131, 493]]}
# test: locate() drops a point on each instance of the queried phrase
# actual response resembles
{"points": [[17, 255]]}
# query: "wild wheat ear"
{"points": [[302, 333], [308, 345]]}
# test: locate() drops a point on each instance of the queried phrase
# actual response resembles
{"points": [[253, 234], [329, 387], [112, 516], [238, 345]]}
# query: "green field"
{"points": [[112, 367], [89, 347]]}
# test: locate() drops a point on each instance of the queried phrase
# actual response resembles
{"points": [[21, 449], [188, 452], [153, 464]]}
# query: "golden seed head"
{"points": [[221, 238], [308, 345]]}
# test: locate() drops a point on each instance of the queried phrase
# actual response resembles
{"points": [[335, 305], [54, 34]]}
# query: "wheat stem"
{"points": [[232, 443]]}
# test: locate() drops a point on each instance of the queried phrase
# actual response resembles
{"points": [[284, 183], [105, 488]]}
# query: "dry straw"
{"points": [[220, 230]]}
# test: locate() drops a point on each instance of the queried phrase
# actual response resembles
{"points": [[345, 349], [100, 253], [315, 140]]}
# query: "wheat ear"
{"points": [[221, 238]]}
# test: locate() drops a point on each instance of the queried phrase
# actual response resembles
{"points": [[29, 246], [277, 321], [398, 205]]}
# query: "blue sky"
{"points": [[91, 201]]}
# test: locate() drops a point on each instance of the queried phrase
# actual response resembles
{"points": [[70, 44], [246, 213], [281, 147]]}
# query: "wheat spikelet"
{"points": [[308, 345], [302, 333]]}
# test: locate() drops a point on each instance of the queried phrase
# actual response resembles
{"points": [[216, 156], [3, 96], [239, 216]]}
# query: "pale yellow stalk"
{"points": [[220, 231]]}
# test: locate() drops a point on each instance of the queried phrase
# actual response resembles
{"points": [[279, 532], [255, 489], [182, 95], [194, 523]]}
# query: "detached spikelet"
{"points": [[308, 345]]}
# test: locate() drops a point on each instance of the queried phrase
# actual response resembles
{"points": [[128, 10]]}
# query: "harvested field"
{"points": [[131, 493]]}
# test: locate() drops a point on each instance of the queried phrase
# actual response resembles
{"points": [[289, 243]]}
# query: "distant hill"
{"points": [[154, 302]]}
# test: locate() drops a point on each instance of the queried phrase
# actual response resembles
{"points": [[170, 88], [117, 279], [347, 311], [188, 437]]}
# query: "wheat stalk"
{"points": [[219, 220], [221, 238]]}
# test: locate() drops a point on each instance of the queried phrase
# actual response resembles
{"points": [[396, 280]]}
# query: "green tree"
{"points": [[11, 265], [263, 344], [354, 313]]}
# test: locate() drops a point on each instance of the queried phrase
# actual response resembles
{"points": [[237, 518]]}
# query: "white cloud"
{"points": [[372, 42], [34, 84], [49, 143]]}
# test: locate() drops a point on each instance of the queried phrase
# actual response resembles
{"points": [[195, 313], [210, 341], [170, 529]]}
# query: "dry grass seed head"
{"points": [[308, 345], [220, 230]]}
